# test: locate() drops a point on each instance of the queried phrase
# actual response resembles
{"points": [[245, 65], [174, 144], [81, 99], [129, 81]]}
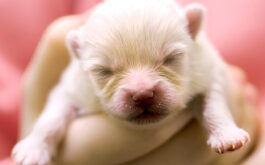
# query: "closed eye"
{"points": [[170, 59], [106, 72], [103, 71]]}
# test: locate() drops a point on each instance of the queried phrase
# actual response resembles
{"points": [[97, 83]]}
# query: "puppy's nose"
{"points": [[142, 95]]}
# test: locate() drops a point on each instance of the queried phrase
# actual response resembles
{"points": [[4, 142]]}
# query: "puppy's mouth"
{"points": [[147, 116]]}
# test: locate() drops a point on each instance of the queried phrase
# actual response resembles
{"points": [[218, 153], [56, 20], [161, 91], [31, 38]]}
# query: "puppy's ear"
{"points": [[73, 43], [194, 14]]}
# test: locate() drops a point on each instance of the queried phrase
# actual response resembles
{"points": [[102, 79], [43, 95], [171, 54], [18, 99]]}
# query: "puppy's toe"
{"points": [[228, 140], [31, 152]]}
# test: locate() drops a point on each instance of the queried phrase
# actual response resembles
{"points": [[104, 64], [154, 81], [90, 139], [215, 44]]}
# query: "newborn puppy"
{"points": [[141, 62]]}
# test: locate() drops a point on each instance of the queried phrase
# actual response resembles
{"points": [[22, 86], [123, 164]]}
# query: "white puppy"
{"points": [[140, 61]]}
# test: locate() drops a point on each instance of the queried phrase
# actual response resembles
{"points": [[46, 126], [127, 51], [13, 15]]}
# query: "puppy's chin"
{"points": [[144, 116], [147, 117]]}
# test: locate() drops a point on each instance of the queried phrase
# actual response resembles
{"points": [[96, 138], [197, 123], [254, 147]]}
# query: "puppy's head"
{"points": [[137, 56]]}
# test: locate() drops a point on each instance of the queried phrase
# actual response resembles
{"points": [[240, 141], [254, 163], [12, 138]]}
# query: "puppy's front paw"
{"points": [[31, 151], [228, 140]]}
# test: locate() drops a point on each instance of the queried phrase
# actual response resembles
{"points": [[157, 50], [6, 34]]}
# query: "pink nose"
{"points": [[142, 95]]}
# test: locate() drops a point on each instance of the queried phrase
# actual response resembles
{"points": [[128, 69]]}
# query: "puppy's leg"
{"points": [[39, 147], [224, 135]]}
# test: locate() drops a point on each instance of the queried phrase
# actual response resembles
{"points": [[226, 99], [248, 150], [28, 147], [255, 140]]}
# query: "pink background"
{"points": [[236, 27]]}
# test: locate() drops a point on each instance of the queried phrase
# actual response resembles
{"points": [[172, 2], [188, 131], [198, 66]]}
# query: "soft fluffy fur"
{"points": [[128, 48]]}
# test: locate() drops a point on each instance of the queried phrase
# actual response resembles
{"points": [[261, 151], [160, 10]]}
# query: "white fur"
{"points": [[143, 27]]}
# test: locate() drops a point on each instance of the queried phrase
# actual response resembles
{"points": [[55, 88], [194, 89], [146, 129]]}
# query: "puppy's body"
{"points": [[141, 62]]}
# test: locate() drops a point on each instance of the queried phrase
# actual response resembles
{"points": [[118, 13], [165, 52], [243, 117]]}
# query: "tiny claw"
{"points": [[219, 150], [248, 138], [233, 146]]}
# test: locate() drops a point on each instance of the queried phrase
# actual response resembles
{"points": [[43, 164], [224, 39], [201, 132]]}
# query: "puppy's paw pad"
{"points": [[31, 152], [228, 140]]}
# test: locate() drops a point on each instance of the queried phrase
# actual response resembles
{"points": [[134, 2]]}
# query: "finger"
{"points": [[251, 93], [238, 74]]}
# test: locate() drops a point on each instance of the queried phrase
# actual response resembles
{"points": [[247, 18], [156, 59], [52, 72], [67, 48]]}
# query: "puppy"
{"points": [[141, 62]]}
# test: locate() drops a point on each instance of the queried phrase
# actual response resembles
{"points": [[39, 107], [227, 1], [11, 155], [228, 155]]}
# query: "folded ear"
{"points": [[194, 14], [72, 42]]}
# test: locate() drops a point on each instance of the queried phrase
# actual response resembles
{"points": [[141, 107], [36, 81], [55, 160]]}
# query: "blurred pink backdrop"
{"points": [[236, 27]]}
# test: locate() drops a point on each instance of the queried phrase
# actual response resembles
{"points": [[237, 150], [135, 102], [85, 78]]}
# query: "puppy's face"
{"points": [[138, 60]]}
